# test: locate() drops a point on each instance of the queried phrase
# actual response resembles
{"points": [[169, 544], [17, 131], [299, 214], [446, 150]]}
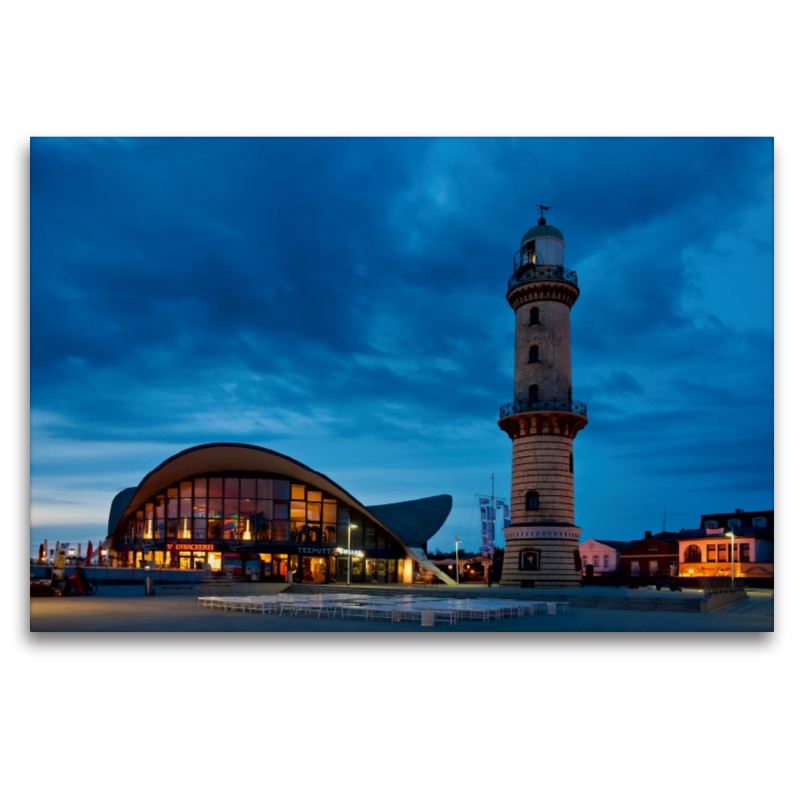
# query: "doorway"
{"points": [[315, 570]]}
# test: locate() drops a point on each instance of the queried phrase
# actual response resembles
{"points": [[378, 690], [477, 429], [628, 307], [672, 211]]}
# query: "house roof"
{"points": [[612, 543]]}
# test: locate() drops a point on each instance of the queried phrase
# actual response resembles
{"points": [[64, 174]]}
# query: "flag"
{"points": [[488, 516], [506, 516]]}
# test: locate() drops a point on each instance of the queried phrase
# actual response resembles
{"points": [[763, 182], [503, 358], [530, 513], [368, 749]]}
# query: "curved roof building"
{"points": [[246, 510]]}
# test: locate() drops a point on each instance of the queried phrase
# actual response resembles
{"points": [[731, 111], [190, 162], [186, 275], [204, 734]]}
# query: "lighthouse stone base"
{"points": [[542, 556]]}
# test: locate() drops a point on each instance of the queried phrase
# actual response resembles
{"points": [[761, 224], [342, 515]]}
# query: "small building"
{"points": [[655, 556], [602, 555], [706, 551], [245, 511]]}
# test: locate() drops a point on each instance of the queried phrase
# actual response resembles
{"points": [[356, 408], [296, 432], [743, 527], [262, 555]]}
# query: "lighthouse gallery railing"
{"points": [[521, 406]]}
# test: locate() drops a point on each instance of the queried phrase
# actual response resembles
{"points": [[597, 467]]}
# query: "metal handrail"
{"points": [[541, 273], [522, 406]]}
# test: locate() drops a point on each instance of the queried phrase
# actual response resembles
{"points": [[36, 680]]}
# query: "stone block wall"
{"points": [[553, 372], [556, 564], [541, 463]]}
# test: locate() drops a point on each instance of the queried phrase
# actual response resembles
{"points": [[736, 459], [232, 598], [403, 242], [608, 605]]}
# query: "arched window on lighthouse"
{"points": [[533, 393], [534, 319], [533, 353], [532, 501]]}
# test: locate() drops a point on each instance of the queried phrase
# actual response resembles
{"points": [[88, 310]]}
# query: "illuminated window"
{"points": [[533, 354], [231, 507], [711, 552], [534, 318], [693, 554], [280, 531], [532, 501], [172, 503], [744, 551], [199, 508]]}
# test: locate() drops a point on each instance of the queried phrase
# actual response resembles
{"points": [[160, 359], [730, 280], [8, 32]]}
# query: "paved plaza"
{"points": [[136, 613]]}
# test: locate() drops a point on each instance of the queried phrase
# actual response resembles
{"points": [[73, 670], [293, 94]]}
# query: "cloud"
{"points": [[187, 290]]}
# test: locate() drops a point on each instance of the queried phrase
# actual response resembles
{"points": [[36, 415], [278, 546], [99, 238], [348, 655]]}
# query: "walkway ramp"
{"points": [[418, 554]]}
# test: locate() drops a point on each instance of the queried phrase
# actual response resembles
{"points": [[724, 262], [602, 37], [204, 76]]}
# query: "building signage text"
{"points": [[209, 547]]}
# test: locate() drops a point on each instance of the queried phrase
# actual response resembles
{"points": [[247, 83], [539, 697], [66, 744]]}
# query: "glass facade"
{"points": [[257, 526]]}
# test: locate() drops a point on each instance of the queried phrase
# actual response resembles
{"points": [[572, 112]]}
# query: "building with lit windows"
{"points": [[707, 552], [245, 511], [601, 555]]}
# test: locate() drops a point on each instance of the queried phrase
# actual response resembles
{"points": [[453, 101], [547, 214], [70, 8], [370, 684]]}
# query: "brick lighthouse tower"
{"points": [[542, 540]]}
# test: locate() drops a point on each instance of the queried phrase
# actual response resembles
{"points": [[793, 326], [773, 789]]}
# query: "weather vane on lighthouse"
{"points": [[542, 209]]}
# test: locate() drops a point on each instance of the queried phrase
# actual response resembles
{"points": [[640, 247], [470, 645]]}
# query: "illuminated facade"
{"points": [[543, 420], [245, 511], [709, 554]]}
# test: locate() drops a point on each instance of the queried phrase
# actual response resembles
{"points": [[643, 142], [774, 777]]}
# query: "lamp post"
{"points": [[733, 559], [349, 551], [458, 541], [72, 555]]}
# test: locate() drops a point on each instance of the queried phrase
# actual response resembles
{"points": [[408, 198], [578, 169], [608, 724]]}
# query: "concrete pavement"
{"points": [[103, 613]]}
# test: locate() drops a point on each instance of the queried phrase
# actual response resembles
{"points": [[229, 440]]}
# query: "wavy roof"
{"points": [[412, 522]]}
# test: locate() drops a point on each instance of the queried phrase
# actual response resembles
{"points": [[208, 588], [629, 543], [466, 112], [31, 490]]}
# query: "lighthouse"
{"points": [[543, 419]]}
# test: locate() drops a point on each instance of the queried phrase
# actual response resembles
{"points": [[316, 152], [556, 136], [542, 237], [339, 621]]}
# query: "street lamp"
{"points": [[458, 541], [733, 559], [72, 554], [349, 551]]}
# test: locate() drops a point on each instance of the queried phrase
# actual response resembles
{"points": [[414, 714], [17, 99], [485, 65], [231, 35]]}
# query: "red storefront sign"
{"points": [[188, 547]]}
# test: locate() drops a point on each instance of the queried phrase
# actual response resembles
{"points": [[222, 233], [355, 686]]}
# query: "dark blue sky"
{"points": [[343, 301]]}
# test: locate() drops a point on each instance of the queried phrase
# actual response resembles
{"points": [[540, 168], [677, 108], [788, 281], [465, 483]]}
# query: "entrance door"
{"points": [[314, 569]]}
